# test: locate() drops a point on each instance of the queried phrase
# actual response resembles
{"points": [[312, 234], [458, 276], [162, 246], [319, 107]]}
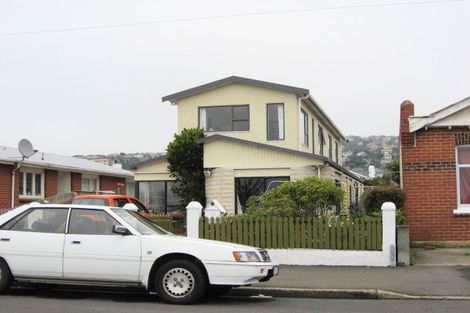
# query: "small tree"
{"points": [[311, 196], [372, 200], [185, 158]]}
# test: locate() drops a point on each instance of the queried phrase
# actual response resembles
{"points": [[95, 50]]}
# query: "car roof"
{"points": [[102, 196], [66, 206]]}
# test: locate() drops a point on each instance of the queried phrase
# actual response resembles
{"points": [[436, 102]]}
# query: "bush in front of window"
{"points": [[311, 196], [185, 158]]}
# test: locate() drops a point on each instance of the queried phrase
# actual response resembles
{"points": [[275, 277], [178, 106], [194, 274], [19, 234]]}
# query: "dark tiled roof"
{"points": [[234, 79]]}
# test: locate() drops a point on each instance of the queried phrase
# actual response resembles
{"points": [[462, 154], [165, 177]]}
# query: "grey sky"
{"points": [[99, 90]]}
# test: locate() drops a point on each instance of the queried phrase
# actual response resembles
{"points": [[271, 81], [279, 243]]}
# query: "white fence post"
{"points": [[388, 233], [193, 214]]}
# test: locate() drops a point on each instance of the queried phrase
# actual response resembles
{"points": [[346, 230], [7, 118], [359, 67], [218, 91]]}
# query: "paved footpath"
{"points": [[413, 280], [442, 273]]}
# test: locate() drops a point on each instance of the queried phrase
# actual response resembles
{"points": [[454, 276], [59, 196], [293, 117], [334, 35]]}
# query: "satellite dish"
{"points": [[26, 148]]}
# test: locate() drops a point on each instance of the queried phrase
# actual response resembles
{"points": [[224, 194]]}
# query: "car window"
{"points": [[120, 202], [140, 223], [141, 207], [91, 222], [42, 220], [91, 201]]}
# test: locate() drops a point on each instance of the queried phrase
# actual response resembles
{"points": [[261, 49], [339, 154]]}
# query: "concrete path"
{"points": [[438, 274], [442, 257], [414, 280]]}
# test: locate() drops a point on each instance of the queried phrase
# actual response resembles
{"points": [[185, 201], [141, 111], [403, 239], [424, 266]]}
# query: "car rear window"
{"points": [[90, 201]]}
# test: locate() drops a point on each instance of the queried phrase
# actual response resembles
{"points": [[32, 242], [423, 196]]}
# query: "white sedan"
{"points": [[104, 246]]}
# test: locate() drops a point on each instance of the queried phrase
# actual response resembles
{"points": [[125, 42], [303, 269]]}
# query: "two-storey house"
{"points": [[257, 135]]}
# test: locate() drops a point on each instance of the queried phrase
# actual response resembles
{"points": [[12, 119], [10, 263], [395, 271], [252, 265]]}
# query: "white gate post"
{"points": [[193, 214], [388, 233]]}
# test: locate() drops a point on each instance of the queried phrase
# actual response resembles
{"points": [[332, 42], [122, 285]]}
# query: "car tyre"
{"points": [[180, 282], [5, 276]]}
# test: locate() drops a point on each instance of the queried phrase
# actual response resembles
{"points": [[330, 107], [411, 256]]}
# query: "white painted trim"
{"points": [[462, 208], [328, 257], [418, 122]]}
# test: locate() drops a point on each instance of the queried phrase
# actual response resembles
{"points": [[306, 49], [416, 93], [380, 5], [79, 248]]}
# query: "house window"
{"points": [[304, 127], [245, 187], [158, 196], [336, 151], [90, 183], [275, 118], [321, 139], [31, 183], [330, 147], [224, 118], [313, 136], [463, 176]]}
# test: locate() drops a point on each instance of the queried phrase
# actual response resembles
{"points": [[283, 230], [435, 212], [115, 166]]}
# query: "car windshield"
{"points": [[141, 224], [90, 201]]}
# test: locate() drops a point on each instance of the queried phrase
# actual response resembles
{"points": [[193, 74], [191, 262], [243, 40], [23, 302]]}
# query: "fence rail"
{"points": [[164, 221], [308, 233]]}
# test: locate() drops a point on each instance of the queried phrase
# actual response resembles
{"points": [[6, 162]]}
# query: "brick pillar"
{"points": [[76, 181], [50, 183], [407, 109]]}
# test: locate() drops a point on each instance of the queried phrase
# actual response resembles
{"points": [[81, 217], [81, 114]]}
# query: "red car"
{"points": [[110, 200]]}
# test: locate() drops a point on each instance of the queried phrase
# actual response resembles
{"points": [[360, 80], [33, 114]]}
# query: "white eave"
{"points": [[9, 155], [419, 122]]}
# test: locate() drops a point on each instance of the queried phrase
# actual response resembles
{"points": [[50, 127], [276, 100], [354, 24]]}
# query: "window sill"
{"points": [[462, 211], [31, 198]]}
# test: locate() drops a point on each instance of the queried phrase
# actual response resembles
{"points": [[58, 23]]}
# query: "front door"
{"points": [[93, 252], [33, 242]]}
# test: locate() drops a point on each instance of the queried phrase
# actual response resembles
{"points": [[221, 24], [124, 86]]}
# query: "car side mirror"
{"points": [[119, 229]]}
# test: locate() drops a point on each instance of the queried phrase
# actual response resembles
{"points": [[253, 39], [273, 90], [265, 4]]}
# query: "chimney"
{"points": [[407, 109]]}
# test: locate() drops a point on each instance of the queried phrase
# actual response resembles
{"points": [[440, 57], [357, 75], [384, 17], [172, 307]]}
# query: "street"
{"points": [[64, 301]]}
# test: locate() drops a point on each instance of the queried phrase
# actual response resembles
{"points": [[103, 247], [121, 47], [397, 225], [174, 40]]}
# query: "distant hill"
{"points": [[126, 159], [360, 152]]}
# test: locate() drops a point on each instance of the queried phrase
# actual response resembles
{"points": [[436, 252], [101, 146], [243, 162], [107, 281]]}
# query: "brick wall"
{"points": [[5, 186], [429, 181], [111, 183], [50, 183], [76, 181]]}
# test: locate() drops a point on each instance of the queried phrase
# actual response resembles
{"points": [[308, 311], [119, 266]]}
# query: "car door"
{"points": [[93, 252], [33, 242]]}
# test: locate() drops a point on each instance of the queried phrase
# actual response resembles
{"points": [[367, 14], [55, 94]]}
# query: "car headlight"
{"points": [[246, 256]]}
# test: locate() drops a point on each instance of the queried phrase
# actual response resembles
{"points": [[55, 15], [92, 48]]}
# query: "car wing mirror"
{"points": [[119, 229]]}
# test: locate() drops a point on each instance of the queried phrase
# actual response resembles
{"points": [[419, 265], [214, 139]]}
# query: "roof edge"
{"points": [[280, 149], [230, 80]]}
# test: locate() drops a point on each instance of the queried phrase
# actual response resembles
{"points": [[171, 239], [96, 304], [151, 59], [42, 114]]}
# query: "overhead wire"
{"points": [[226, 16]]}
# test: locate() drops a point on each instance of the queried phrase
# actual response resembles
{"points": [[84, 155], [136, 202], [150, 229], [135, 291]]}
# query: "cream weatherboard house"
{"points": [[257, 134]]}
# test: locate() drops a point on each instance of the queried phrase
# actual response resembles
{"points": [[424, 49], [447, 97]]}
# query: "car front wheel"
{"points": [[180, 282], [5, 276]]}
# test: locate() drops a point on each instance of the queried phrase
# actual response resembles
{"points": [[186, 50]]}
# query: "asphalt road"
{"points": [[34, 301]]}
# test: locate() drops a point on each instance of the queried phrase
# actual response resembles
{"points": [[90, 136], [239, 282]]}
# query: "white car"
{"points": [[105, 246]]}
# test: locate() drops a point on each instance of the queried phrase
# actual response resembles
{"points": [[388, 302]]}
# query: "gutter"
{"points": [[13, 173], [299, 113]]}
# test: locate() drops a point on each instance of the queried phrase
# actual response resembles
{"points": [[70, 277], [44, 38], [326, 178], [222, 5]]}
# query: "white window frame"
{"points": [[23, 171], [91, 177], [304, 131], [461, 208]]}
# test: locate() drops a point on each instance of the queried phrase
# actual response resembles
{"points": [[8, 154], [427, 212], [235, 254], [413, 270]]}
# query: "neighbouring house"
{"points": [[46, 175], [258, 134], [435, 169]]}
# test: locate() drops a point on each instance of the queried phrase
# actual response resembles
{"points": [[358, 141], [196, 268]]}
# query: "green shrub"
{"points": [[373, 199], [311, 196], [185, 158]]}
